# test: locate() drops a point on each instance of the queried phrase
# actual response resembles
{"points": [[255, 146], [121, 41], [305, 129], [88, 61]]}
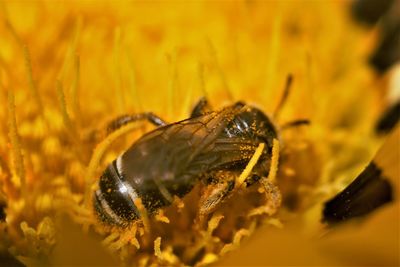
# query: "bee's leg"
{"points": [[272, 192], [125, 119], [295, 123], [252, 179], [274, 196], [201, 108], [212, 197]]}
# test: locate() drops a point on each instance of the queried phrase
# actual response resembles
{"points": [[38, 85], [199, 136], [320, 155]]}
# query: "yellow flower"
{"points": [[69, 67]]}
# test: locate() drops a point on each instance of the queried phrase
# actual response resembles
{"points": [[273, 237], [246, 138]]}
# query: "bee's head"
{"points": [[254, 121]]}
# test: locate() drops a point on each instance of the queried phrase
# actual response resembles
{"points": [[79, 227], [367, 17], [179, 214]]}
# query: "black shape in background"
{"points": [[367, 192]]}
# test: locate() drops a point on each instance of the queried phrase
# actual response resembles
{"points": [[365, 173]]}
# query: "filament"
{"points": [[31, 82], [250, 165], [273, 169], [99, 152], [220, 71], [16, 142]]}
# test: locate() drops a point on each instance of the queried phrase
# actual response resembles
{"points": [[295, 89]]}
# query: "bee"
{"points": [[369, 191], [211, 147]]}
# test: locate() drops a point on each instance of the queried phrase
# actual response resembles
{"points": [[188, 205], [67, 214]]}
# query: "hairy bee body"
{"points": [[171, 159]]}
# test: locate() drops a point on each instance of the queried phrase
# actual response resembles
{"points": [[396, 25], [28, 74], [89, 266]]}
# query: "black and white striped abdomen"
{"points": [[114, 200]]}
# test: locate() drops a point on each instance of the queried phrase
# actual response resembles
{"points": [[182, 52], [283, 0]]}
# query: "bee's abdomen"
{"points": [[114, 200]]}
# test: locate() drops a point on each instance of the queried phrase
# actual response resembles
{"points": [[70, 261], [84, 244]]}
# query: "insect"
{"points": [[211, 147]]}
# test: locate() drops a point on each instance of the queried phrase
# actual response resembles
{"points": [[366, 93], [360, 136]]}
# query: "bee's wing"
{"points": [[196, 145], [170, 151], [211, 147]]}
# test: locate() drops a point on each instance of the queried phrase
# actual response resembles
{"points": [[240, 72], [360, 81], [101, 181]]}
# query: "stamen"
{"points": [[160, 217], [132, 84], [117, 69], [98, 154], [75, 89], [71, 50], [273, 57], [238, 236], [9, 26], [173, 84], [31, 82], [221, 73], [16, 142], [66, 118], [143, 214], [157, 248], [213, 223], [202, 84], [109, 239], [273, 169], [250, 165]]}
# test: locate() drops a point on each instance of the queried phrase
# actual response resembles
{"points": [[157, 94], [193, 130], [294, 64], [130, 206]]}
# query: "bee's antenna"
{"points": [[285, 95], [295, 123]]}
